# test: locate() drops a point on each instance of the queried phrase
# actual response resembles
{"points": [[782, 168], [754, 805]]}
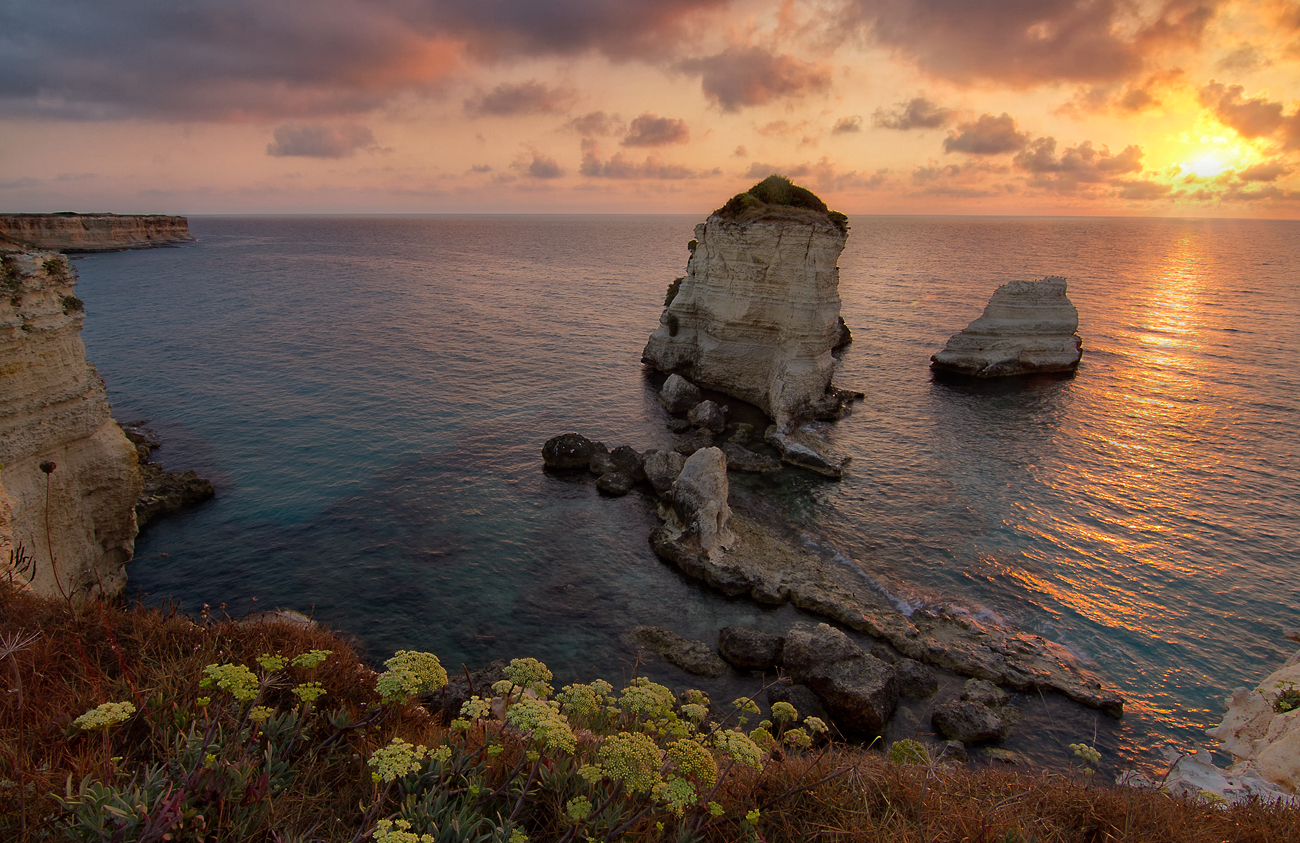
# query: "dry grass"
{"points": [[154, 658]]}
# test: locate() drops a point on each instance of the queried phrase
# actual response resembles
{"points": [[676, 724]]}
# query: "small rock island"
{"points": [[1028, 327]]}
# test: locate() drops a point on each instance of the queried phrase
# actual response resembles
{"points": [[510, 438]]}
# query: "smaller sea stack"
{"points": [[1027, 328]]}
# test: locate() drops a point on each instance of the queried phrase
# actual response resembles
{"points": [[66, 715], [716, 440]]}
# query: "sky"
{"points": [[1060, 107]]}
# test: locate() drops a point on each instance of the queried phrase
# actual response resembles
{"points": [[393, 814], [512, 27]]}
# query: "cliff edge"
{"points": [[68, 232], [757, 314], [68, 476]]}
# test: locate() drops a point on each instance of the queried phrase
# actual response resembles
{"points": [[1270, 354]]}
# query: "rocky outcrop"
{"points": [[67, 473], [699, 514], [859, 690], [1027, 327], [164, 491], [1262, 727], [92, 232], [694, 657], [757, 314]]}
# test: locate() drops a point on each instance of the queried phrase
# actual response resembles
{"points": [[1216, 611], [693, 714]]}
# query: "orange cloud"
{"points": [[988, 135], [741, 77]]}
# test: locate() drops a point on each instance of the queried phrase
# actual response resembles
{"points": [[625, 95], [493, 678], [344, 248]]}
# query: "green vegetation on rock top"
{"points": [[775, 190]]}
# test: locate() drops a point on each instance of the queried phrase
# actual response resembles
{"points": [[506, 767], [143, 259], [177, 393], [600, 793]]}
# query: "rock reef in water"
{"points": [[1028, 327], [60, 451], [92, 232], [758, 313]]}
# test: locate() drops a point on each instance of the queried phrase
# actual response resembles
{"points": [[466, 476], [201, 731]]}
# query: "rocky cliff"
{"points": [[1027, 327], [757, 314], [68, 476], [92, 232]]}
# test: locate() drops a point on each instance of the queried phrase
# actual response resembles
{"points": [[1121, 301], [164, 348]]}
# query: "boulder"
{"points": [[614, 483], [1027, 327], [811, 650], [166, 492], [627, 460], [1262, 727], [708, 415], [694, 657], [678, 394], [568, 452], [677, 425], [807, 448], [985, 693], [915, 679], [688, 445], [460, 687], [861, 694], [966, 721], [740, 458], [804, 700], [661, 468], [700, 499], [750, 649]]}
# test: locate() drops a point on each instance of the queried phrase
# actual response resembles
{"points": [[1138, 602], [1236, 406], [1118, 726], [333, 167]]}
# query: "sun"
{"points": [[1215, 155]]}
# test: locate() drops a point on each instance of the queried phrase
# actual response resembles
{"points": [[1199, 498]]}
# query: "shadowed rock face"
{"points": [[93, 232], [1027, 327], [54, 414], [757, 315]]}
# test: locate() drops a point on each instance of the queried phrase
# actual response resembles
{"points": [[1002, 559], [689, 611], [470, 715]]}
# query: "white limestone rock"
{"points": [[1261, 737], [757, 314], [1027, 327], [700, 505], [53, 409]]}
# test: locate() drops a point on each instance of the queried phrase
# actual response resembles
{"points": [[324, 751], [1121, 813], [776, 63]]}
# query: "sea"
{"points": [[370, 396]]}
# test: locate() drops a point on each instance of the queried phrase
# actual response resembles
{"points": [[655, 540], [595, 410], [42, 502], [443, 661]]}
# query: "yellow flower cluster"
{"points": [[694, 761], [311, 659], [309, 692], [783, 712], [260, 713], [397, 759], [543, 720], [646, 699], [740, 747], [1089, 754], [271, 663], [677, 793], [578, 808], [410, 673], [475, 708], [581, 701], [633, 759], [399, 831], [531, 675], [105, 715], [236, 679]]}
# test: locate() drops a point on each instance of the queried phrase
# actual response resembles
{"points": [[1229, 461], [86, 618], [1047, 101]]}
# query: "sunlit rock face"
{"points": [[1027, 327], [757, 313], [54, 413], [1262, 727], [92, 232]]}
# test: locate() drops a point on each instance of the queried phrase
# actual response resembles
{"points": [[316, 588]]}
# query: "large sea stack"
{"points": [[1028, 327], [68, 476], [758, 312]]}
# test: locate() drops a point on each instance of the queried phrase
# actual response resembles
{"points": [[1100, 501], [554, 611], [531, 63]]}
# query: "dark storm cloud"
{"points": [[749, 76], [320, 141], [988, 135], [1026, 42], [521, 98], [236, 59], [653, 130], [916, 113]]}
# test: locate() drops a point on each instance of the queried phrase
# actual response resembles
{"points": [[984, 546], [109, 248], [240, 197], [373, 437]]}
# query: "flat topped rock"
{"points": [[1028, 327]]}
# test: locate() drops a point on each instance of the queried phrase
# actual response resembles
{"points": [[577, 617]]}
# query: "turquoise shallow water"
{"points": [[370, 395]]}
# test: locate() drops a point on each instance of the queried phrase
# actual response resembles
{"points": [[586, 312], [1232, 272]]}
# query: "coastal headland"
{"points": [[72, 232]]}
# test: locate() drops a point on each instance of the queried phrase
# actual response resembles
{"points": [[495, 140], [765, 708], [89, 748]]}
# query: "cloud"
{"points": [[916, 113], [847, 126], [539, 166], [338, 141], [1027, 44], [1143, 190], [750, 76], [988, 135], [1256, 117], [1244, 58], [291, 59], [595, 123], [622, 167], [1132, 98], [821, 176], [521, 98], [1265, 171], [653, 130], [1076, 165]]}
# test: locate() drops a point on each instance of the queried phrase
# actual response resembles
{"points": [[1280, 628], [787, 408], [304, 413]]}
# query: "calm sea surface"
{"points": [[370, 396]]}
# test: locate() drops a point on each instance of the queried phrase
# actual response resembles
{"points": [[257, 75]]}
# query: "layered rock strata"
{"points": [[758, 312], [1028, 327], [92, 232], [67, 473]]}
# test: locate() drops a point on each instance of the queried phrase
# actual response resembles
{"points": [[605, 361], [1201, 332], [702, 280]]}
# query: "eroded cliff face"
{"points": [[758, 312], [1027, 327], [54, 411], [92, 232]]}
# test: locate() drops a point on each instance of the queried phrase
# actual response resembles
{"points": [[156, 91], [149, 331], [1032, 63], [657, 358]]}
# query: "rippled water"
{"points": [[370, 395]]}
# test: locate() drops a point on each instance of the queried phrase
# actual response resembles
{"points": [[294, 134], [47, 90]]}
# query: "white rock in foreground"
{"points": [[1027, 327], [700, 495], [758, 312], [1259, 735]]}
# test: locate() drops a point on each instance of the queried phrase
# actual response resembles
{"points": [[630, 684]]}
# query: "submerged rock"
{"points": [[740, 458], [694, 657], [1027, 327], [164, 491], [568, 452], [965, 721], [758, 312], [750, 649]]}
